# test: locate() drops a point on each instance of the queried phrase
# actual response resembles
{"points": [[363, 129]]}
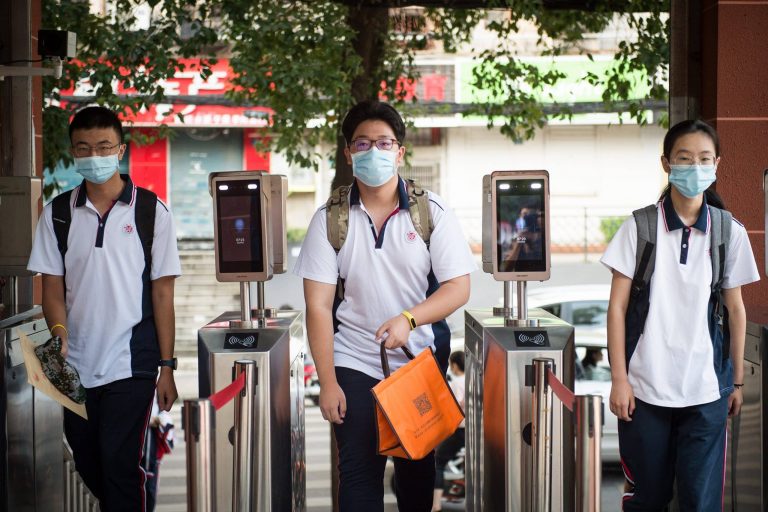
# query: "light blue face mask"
{"points": [[692, 180], [97, 169], [374, 167]]}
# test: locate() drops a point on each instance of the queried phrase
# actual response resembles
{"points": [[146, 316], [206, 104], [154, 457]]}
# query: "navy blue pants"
{"points": [[107, 447], [361, 469], [662, 445]]}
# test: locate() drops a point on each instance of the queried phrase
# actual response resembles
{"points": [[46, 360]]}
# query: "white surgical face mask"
{"points": [[692, 180], [97, 169], [374, 167]]}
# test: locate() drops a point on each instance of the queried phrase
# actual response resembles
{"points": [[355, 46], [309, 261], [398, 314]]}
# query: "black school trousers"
{"points": [[361, 468], [108, 446]]}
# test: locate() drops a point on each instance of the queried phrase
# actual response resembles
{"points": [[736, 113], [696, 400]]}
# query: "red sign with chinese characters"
{"points": [[434, 84]]}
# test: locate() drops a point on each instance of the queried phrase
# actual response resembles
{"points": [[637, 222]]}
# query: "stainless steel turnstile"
{"points": [[747, 455], [498, 410], [277, 348], [31, 424]]}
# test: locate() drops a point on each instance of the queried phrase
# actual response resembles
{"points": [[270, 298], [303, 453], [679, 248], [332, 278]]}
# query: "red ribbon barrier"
{"points": [[220, 398], [563, 393]]}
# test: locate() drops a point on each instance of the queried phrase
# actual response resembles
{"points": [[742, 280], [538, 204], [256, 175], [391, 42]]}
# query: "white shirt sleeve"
{"points": [[165, 251], [740, 266], [448, 248], [620, 254], [45, 256], [317, 259]]}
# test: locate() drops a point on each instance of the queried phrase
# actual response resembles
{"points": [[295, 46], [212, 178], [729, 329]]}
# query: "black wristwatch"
{"points": [[170, 363]]}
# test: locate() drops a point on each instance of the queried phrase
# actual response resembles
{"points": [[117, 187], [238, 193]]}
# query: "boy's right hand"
{"points": [[333, 402], [622, 401]]}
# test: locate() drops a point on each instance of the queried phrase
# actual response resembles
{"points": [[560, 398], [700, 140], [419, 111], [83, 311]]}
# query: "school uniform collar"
{"points": [[126, 196], [402, 193], [672, 220]]}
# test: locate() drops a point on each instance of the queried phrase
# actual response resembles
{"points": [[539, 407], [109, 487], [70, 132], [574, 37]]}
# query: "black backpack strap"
{"points": [[61, 214], [645, 254], [146, 204]]}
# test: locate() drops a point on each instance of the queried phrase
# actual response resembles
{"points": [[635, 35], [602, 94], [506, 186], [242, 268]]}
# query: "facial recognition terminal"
{"points": [[249, 225], [516, 209]]}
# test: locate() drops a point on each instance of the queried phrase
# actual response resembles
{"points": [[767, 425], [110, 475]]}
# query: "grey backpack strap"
{"points": [[645, 255], [418, 207], [337, 217], [720, 238]]}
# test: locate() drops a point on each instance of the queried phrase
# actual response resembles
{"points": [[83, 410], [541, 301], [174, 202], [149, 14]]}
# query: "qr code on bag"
{"points": [[422, 404]]}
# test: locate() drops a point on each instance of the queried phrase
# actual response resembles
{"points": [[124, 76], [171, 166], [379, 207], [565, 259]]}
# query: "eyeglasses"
{"points": [[689, 160], [83, 150], [366, 144]]}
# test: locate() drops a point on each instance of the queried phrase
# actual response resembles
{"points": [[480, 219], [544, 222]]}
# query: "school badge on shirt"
{"points": [[128, 229], [411, 237]]}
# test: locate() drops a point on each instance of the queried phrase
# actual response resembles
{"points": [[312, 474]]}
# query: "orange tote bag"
{"points": [[415, 407]]}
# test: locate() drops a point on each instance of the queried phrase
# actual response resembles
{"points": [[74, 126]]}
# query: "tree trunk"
{"points": [[371, 25]]}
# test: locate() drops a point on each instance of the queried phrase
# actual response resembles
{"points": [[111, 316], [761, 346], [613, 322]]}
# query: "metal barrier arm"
{"points": [[245, 403], [198, 422], [541, 430], [199, 432], [588, 410], [589, 430]]}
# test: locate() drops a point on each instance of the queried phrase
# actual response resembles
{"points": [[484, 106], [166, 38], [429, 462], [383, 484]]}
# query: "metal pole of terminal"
{"points": [[245, 404], [589, 430], [199, 434], [542, 436], [522, 300], [245, 302]]}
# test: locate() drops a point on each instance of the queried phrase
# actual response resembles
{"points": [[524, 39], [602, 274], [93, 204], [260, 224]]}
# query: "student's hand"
{"points": [[394, 332], [622, 401], [333, 402], [166, 389], [735, 401]]}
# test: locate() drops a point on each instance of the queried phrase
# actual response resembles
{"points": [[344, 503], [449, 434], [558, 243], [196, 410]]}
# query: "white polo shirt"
{"points": [[111, 326], [384, 273], [672, 365]]}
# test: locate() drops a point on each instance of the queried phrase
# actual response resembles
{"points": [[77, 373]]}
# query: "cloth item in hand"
{"points": [[59, 372]]}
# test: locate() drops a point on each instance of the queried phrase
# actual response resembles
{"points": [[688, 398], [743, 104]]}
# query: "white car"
{"points": [[586, 307]]}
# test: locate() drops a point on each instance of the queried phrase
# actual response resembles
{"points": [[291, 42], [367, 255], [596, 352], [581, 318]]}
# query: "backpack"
{"points": [[146, 203], [337, 218], [645, 259]]}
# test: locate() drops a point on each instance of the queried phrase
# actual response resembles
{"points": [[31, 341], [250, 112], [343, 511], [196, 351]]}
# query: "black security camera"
{"points": [[56, 43]]}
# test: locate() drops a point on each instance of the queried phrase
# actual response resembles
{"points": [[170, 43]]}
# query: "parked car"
{"points": [[586, 307]]}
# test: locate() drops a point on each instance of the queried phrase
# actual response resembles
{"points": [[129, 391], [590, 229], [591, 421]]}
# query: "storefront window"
{"points": [[195, 153]]}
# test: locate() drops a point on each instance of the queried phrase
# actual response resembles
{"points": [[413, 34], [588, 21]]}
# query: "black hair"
{"points": [[96, 117], [684, 128], [457, 358], [378, 110]]}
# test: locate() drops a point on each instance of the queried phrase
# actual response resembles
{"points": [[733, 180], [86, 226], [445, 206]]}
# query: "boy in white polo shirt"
{"points": [[677, 365], [396, 288], [108, 282]]}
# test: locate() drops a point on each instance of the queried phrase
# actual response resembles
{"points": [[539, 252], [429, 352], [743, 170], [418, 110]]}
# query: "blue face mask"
{"points": [[691, 180], [97, 169], [374, 167]]}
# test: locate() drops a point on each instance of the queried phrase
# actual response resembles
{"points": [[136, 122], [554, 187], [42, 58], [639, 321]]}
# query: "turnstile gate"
{"points": [[277, 348], [498, 411], [31, 424], [747, 455]]}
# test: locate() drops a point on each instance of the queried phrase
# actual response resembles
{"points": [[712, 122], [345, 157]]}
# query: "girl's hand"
{"points": [[735, 401], [622, 401]]}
